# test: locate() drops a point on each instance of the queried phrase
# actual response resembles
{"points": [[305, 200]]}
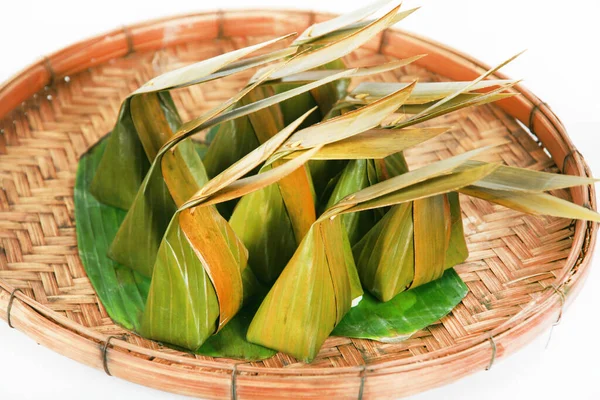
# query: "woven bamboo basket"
{"points": [[522, 270]]}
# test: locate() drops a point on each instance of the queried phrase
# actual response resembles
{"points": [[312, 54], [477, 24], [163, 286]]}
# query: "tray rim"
{"points": [[86, 345]]}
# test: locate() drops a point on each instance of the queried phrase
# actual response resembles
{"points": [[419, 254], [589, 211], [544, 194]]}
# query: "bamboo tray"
{"points": [[521, 271]]}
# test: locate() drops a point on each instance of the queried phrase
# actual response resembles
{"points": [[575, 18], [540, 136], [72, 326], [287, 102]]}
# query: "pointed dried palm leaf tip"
{"points": [[339, 48], [342, 22], [468, 87]]}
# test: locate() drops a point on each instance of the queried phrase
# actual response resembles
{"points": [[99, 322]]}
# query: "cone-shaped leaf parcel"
{"points": [[314, 292], [135, 139]]}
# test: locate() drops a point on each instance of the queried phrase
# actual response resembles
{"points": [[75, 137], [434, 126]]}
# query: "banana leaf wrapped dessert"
{"points": [[429, 231], [321, 273]]}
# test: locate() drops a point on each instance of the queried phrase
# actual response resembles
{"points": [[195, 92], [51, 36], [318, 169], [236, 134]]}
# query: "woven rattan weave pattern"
{"points": [[519, 270]]}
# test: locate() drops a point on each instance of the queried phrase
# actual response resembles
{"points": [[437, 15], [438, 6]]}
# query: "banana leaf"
{"points": [[430, 100], [253, 220], [231, 341], [236, 138], [265, 208], [324, 174], [367, 298], [348, 124], [391, 166], [333, 252], [372, 196], [296, 189], [373, 316], [431, 231], [375, 143], [406, 248], [473, 84], [286, 322], [385, 255], [321, 172], [405, 314], [357, 175], [201, 147], [308, 261], [412, 114], [326, 97], [452, 105], [197, 284], [122, 291], [396, 229], [431, 187], [155, 203], [314, 57], [250, 184], [462, 101], [287, 208], [267, 256], [232, 141], [361, 173], [326, 171], [457, 247]]}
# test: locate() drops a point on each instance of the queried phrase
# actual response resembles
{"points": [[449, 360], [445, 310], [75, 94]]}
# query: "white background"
{"points": [[561, 67]]}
